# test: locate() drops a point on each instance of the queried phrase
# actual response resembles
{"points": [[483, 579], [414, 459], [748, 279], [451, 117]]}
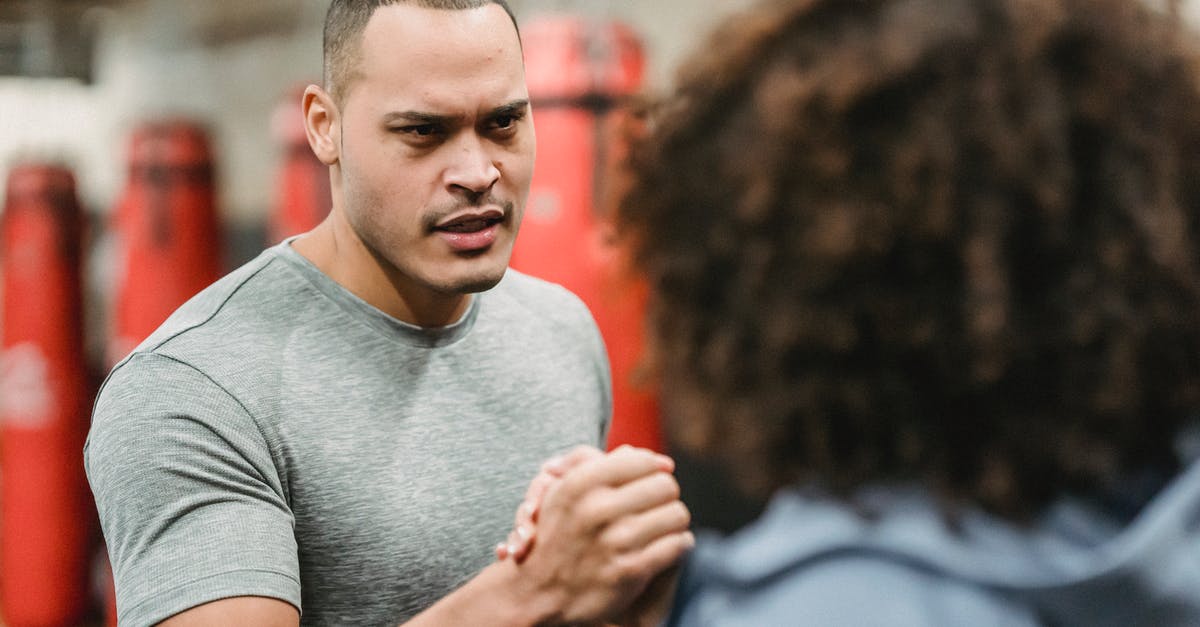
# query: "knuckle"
{"points": [[611, 576], [590, 511], [682, 546], [660, 488], [619, 537], [609, 545], [538, 488], [572, 487], [582, 453], [675, 517], [626, 454], [669, 486], [610, 506], [625, 568], [683, 515]]}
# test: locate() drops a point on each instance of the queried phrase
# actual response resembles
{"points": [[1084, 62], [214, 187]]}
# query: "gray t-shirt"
{"points": [[280, 437]]}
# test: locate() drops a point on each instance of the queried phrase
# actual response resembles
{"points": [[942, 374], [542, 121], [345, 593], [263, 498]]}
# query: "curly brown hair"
{"points": [[944, 241]]}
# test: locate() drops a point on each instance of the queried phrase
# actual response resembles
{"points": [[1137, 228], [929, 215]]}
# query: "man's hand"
{"points": [[604, 530], [520, 539]]}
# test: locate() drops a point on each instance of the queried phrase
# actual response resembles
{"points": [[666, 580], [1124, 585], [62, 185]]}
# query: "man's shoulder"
{"points": [[541, 299], [230, 324], [244, 305], [536, 290]]}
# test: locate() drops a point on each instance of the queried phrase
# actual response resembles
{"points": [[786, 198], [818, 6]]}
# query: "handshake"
{"points": [[599, 535]]}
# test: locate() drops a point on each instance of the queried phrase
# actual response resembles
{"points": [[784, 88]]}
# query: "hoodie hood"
{"points": [[1073, 566]]}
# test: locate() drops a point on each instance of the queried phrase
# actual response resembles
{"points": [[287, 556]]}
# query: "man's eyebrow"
{"points": [[512, 108], [422, 117], [418, 117]]}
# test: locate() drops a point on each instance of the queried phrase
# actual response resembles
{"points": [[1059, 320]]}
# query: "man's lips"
{"points": [[471, 231], [470, 222]]}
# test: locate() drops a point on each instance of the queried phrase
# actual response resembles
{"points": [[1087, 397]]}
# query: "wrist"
{"points": [[525, 603], [499, 595]]}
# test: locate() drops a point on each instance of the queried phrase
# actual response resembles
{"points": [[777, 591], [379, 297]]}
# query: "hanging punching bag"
{"points": [[302, 197], [166, 224], [580, 75], [45, 506]]}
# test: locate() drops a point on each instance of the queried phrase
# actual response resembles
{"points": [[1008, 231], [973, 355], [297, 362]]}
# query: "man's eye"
{"points": [[504, 121], [422, 130]]}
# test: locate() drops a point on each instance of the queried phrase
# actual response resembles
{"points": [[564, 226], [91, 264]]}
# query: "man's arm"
{"points": [[191, 503], [604, 531]]}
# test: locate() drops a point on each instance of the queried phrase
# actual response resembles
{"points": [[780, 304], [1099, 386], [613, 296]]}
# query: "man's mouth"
{"points": [[470, 222], [472, 231]]}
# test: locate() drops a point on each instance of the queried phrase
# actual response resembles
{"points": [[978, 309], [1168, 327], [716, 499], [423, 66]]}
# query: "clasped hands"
{"points": [[600, 533]]}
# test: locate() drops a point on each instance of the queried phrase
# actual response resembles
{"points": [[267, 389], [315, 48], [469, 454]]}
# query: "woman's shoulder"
{"points": [[817, 562]]}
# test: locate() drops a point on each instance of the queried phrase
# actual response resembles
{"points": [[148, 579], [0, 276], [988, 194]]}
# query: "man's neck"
{"points": [[343, 257]]}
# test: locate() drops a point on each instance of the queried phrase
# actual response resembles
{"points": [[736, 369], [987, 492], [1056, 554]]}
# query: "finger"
{"points": [[528, 509], [506, 549], [664, 552], [551, 470], [617, 468], [667, 464], [517, 545], [642, 494], [522, 544], [632, 533], [604, 506]]}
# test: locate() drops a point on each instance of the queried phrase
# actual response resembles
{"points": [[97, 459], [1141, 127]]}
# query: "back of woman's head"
{"points": [[945, 241]]}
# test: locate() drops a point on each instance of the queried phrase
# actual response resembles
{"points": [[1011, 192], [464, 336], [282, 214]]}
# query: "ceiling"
{"points": [[49, 38], [56, 38]]}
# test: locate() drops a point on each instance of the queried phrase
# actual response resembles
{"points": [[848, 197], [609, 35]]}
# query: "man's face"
{"points": [[437, 146]]}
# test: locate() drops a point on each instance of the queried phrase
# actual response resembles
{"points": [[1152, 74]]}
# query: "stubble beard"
{"points": [[383, 244], [487, 278]]}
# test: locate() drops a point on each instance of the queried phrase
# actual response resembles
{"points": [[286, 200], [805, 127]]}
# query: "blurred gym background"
{"points": [[149, 146]]}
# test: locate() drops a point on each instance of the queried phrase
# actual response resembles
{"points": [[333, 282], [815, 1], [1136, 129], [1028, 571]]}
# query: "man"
{"points": [[337, 430]]}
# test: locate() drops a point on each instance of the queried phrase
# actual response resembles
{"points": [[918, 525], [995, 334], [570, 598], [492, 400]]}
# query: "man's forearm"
{"points": [[496, 596]]}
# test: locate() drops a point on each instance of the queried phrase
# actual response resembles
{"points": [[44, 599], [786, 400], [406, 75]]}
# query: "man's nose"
{"points": [[474, 168]]}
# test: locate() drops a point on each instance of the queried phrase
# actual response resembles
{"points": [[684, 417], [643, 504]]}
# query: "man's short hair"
{"points": [[946, 242], [347, 19]]}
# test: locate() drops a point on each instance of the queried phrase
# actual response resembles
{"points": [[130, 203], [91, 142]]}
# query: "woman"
{"points": [[927, 272]]}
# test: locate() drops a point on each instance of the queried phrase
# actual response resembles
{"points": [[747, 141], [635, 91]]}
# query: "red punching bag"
{"points": [[45, 506], [580, 76], [302, 196], [169, 245]]}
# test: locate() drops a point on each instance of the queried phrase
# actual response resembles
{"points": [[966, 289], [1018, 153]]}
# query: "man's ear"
{"points": [[321, 124]]}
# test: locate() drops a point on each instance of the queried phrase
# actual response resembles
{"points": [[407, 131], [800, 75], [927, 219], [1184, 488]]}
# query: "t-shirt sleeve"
{"points": [[190, 501]]}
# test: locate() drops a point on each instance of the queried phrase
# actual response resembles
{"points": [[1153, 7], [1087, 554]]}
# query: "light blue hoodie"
{"points": [[813, 561]]}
